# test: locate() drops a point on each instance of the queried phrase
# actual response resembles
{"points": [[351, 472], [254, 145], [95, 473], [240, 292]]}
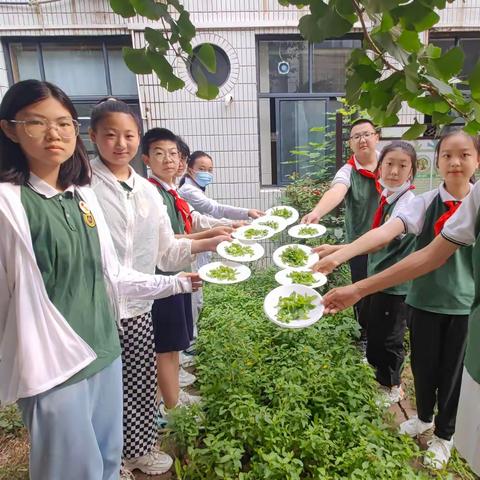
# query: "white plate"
{"points": [[281, 222], [289, 220], [277, 256], [258, 251], [283, 279], [295, 230], [243, 272], [239, 233], [271, 301]]}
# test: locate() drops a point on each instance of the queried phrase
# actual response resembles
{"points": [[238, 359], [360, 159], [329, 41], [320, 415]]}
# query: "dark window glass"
{"points": [[283, 66], [220, 76]]}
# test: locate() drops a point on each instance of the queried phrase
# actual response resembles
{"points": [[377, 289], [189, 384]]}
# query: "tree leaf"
{"points": [[409, 41], [416, 15], [123, 8], [387, 22], [411, 77], [136, 60], [379, 6], [430, 103], [206, 55], [442, 87], [474, 82], [366, 72], [147, 8], [206, 90], [472, 127], [447, 65], [157, 39], [185, 26], [415, 131]]}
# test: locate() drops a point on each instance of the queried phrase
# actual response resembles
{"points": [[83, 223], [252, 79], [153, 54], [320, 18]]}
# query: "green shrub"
{"points": [[283, 404]]}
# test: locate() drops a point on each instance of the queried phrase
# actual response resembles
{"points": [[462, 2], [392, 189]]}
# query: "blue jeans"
{"points": [[76, 431]]}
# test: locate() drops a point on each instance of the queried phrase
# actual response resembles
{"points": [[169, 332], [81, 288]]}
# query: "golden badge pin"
{"points": [[87, 215]]}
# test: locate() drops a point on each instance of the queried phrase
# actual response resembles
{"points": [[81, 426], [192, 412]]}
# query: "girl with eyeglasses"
{"points": [[61, 281]]}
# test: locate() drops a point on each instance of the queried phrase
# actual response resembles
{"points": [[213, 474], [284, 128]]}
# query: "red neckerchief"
{"points": [[180, 204], [365, 173], [452, 208], [377, 218]]}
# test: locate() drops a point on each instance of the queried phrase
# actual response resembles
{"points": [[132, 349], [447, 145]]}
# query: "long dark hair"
{"points": [[191, 163], [13, 163], [406, 148]]}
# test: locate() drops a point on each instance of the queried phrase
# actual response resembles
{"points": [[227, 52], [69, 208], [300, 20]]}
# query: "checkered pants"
{"points": [[139, 385]]}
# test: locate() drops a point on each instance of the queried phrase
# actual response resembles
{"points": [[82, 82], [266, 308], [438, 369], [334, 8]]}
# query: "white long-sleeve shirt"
{"points": [[38, 348], [194, 195], [140, 228]]}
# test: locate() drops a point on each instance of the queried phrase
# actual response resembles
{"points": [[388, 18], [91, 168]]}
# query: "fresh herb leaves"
{"points": [[294, 307], [303, 278], [294, 257], [223, 272], [237, 250]]}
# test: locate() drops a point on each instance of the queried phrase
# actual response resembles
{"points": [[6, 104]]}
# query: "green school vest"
{"points": [[68, 256], [178, 226], [361, 203], [395, 251], [472, 357], [449, 289]]}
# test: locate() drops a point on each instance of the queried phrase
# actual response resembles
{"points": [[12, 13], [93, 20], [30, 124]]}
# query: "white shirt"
{"points": [[344, 173], [413, 215], [140, 228], [38, 348], [460, 227], [194, 195]]}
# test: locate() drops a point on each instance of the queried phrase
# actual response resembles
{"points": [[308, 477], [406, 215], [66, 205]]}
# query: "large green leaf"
{"points": [[430, 103], [411, 77], [136, 60], [330, 25], [409, 41], [206, 55], [416, 15], [164, 71], [185, 26], [123, 8], [147, 8], [447, 65], [387, 42], [387, 22], [366, 72], [474, 82], [415, 131], [472, 127], [157, 39], [379, 6], [353, 88], [206, 91]]}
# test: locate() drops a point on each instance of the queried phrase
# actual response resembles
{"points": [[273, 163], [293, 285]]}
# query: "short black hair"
{"points": [[13, 164], [183, 148], [450, 131], [109, 105], [406, 148], [359, 121], [157, 135]]}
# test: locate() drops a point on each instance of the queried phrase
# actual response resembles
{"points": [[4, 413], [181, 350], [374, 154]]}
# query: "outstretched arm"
{"points": [[415, 265], [369, 242], [331, 199]]}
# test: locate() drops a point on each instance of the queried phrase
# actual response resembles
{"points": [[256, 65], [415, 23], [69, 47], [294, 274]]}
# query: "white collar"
{"points": [[130, 181], [359, 166], [393, 197], [43, 188], [447, 197], [165, 185]]}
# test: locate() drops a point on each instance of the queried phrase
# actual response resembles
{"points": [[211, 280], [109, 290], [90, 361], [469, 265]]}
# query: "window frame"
{"points": [[310, 95], [103, 41]]}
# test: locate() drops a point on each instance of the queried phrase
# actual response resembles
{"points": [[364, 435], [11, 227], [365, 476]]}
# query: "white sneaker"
{"points": [[185, 399], [126, 474], [154, 463], [438, 453], [414, 427], [187, 360], [185, 378]]}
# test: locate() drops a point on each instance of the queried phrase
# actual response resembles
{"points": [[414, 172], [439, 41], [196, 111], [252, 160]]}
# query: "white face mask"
{"points": [[400, 188]]}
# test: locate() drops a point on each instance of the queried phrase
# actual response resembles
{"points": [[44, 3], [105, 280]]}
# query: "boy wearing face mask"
{"points": [[192, 188]]}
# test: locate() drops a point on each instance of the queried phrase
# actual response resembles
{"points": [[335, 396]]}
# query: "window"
{"points": [[220, 76], [86, 69], [469, 44], [298, 86]]}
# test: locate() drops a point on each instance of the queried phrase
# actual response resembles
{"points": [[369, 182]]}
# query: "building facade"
{"points": [[274, 86]]}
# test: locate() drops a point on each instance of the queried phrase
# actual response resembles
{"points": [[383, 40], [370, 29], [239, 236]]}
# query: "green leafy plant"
{"points": [[294, 256], [280, 404], [307, 231], [294, 307], [223, 272], [237, 250], [282, 212], [303, 278], [255, 233], [10, 420], [269, 223]]}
